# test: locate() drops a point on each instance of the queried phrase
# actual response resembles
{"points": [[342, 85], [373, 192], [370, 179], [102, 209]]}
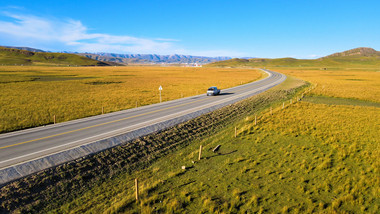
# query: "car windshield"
{"points": [[210, 89]]}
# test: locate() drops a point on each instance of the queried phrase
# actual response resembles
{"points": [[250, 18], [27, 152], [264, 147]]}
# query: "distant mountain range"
{"points": [[28, 56], [137, 58], [152, 58]]}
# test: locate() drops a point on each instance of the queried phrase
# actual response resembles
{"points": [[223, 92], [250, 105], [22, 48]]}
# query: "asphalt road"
{"points": [[30, 144]]}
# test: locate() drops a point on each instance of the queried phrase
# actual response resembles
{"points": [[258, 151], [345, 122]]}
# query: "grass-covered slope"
{"points": [[303, 158], [312, 156], [362, 57], [11, 56]]}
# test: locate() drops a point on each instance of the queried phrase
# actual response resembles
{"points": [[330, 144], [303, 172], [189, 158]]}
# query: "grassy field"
{"points": [[304, 158], [359, 83], [347, 76], [32, 95], [316, 155], [51, 188]]}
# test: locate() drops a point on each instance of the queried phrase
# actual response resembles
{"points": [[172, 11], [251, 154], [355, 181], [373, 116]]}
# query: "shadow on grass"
{"points": [[185, 184], [220, 154]]}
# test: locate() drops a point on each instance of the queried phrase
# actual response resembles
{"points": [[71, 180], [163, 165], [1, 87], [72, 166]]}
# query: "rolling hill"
{"points": [[26, 49], [368, 52], [354, 57], [13, 56]]}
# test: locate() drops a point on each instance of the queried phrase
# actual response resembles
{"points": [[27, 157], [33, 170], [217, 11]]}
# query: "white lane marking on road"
{"points": [[117, 113], [130, 128]]}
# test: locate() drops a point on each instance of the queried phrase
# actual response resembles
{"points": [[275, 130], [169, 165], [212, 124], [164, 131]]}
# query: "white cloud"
{"points": [[74, 36], [314, 56]]}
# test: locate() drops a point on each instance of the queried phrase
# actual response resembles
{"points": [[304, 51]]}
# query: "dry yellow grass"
{"points": [[358, 84], [31, 95]]}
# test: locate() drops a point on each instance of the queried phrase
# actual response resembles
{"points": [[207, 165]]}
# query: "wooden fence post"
{"points": [[283, 105], [137, 189], [200, 153], [216, 148], [54, 118], [102, 109]]}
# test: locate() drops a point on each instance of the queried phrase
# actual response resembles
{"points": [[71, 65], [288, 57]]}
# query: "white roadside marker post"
{"points": [[160, 89]]}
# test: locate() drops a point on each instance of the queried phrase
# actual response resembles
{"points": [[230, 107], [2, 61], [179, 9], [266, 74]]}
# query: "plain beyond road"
{"points": [[24, 146]]}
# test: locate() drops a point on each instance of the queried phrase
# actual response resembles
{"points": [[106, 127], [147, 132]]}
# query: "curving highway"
{"points": [[32, 144]]}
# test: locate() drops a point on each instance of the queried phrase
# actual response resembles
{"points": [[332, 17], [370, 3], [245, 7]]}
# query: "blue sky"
{"points": [[282, 28]]}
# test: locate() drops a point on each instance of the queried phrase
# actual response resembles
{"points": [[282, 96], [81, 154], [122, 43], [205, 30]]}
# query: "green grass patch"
{"points": [[57, 78], [339, 101], [102, 82], [356, 79]]}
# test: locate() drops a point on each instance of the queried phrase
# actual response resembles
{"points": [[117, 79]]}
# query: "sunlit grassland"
{"points": [[303, 158], [117, 194], [349, 76], [32, 95], [357, 83]]}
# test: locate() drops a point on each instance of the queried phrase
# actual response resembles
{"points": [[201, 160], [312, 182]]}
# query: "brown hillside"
{"points": [[356, 52]]}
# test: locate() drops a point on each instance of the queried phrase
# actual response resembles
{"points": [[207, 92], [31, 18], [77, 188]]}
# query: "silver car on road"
{"points": [[213, 91]]}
